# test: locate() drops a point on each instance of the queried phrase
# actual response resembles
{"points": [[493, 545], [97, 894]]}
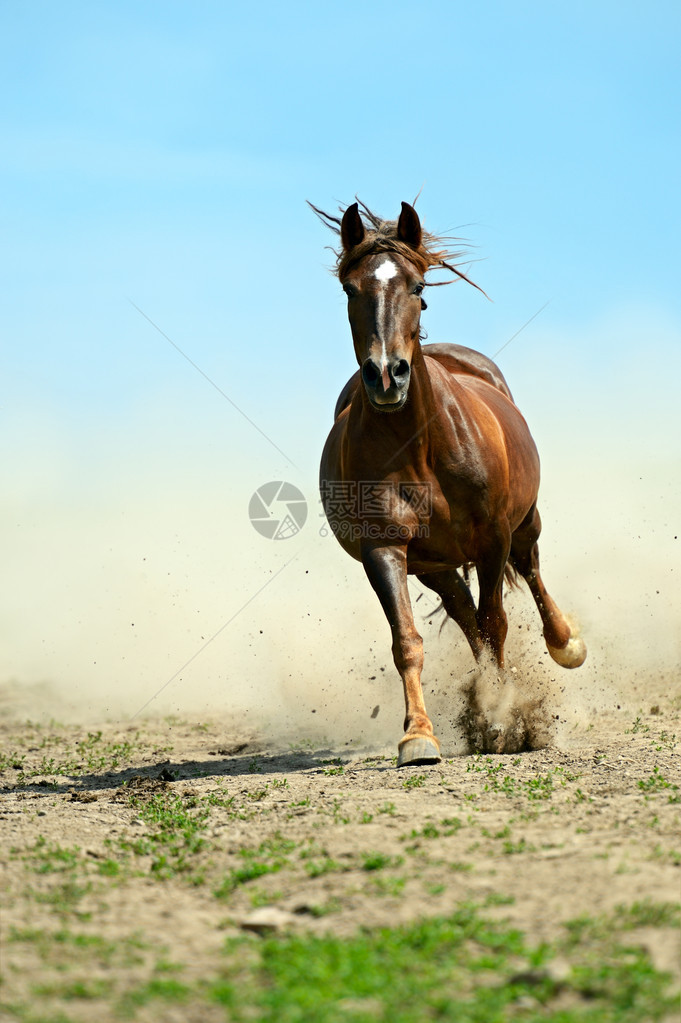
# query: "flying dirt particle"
{"points": [[375, 711]]}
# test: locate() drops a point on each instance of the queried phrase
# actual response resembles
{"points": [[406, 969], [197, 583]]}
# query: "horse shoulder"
{"points": [[486, 456]]}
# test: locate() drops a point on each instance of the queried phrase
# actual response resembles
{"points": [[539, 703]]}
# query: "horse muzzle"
{"points": [[386, 384]]}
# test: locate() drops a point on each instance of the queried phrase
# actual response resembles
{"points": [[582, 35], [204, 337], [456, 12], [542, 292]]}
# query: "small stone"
{"points": [[267, 920]]}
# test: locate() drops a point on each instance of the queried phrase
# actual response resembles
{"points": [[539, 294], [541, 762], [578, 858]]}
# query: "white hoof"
{"points": [[571, 656]]}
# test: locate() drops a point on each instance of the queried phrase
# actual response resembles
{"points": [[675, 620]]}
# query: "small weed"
{"points": [[84, 990], [177, 824], [50, 857], [321, 866], [258, 794], [451, 825], [332, 905], [261, 897], [12, 760], [658, 783], [379, 861], [391, 886], [219, 798], [64, 898], [269, 858], [109, 868], [427, 831], [415, 781], [513, 848], [505, 832], [339, 817], [166, 989]]}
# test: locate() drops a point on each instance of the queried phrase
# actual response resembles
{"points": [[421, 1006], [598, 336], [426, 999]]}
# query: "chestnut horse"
{"points": [[429, 466]]}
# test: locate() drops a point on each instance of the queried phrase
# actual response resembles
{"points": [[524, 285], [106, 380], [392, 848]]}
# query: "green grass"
{"points": [[462, 967], [63, 754], [379, 861], [268, 858], [415, 781], [498, 779], [49, 857], [175, 837], [657, 783]]}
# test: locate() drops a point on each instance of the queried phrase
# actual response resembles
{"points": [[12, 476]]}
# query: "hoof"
{"points": [[570, 656], [420, 749]]}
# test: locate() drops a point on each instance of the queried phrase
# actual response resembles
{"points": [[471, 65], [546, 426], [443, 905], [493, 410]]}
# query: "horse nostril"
{"points": [[370, 373], [401, 369]]}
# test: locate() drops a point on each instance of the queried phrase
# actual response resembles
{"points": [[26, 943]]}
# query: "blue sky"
{"points": [[161, 153]]}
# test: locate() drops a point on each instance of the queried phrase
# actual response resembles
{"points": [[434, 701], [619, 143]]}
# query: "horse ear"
{"points": [[409, 226], [352, 228]]}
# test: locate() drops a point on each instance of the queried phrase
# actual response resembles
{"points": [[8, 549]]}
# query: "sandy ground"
{"points": [[590, 823]]}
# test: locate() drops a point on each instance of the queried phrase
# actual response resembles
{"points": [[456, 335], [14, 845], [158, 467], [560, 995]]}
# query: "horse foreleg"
{"points": [[566, 648], [386, 569]]}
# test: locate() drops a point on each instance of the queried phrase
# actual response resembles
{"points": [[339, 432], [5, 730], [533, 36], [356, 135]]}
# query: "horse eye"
{"points": [[349, 290], [419, 289]]}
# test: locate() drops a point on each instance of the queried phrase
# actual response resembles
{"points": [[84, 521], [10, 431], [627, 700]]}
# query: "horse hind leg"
{"points": [[566, 647], [458, 603]]}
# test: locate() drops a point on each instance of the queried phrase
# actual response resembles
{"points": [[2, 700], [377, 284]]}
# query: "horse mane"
{"points": [[434, 251]]}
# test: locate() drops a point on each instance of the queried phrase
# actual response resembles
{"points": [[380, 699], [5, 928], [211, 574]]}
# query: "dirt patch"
{"points": [[163, 838]]}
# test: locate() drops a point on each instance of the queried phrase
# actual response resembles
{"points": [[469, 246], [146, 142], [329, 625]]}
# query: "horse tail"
{"points": [[512, 576]]}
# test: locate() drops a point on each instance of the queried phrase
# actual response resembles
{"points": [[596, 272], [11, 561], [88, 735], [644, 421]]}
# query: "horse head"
{"points": [[382, 275]]}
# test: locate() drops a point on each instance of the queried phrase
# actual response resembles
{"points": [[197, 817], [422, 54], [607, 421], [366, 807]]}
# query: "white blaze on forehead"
{"points": [[385, 271]]}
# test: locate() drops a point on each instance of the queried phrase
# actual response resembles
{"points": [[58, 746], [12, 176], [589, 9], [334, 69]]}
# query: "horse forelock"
{"points": [[380, 241], [434, 252]]}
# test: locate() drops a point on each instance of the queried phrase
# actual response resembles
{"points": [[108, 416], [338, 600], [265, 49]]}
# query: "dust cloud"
{"points": [[135, 585]]}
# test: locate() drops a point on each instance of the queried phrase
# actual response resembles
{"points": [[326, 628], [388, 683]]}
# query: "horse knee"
{"points": [[408, 652]]}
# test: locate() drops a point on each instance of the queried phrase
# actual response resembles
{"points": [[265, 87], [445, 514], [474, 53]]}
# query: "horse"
{"points": [[429, 468]]}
